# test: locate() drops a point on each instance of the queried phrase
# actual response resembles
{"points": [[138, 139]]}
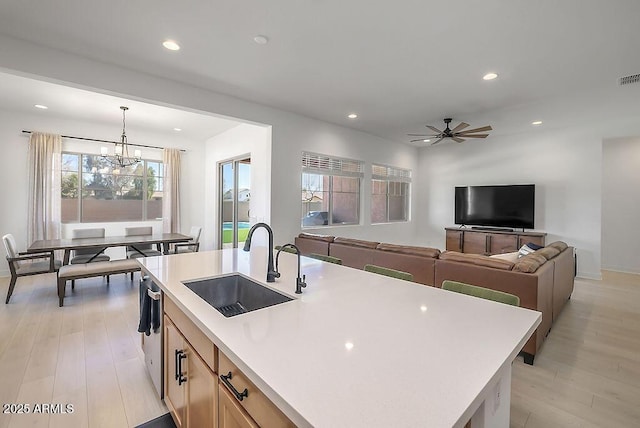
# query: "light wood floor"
{"points": [[88, 354]]}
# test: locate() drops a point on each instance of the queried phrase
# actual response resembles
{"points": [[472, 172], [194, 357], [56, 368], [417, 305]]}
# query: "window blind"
{"points": [[381, 172], [327, 165]]}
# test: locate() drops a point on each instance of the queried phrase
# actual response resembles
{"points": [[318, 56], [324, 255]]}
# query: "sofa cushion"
{"points": [[356, 243], [317, 237], [477, 259], [406, 249], [559, 245], [529, 263], [548, 252]]}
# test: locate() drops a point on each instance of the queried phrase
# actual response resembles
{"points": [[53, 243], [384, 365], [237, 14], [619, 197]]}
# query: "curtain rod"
{"points": [[105, 141]]}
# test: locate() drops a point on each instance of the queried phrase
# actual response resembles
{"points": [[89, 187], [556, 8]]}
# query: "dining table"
{"points": [[164, 239]]}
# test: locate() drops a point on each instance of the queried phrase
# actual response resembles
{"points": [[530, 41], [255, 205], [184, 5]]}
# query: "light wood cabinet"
{"points": [[489, 241], [174, 395], [230, 413], [194, 394], [254, 402], [190, 386]]}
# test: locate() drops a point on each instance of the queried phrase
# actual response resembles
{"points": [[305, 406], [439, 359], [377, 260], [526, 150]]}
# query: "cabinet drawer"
{"points": [[198, 340], [256, 404]]}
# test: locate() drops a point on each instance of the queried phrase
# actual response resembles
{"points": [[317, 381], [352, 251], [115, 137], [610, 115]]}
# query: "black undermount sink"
{"points": [[235, 294]]}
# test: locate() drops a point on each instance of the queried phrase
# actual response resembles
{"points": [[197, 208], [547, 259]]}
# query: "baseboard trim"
{"points": [[589, 275]]}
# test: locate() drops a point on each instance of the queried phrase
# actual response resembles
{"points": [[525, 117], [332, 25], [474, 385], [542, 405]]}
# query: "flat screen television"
{"points": [[496, 206]]}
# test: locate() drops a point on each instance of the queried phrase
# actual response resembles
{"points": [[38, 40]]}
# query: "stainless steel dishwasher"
{"points": [[152, 344]]}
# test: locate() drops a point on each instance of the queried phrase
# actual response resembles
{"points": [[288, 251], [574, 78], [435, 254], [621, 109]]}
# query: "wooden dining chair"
{"points": [[21, 264], [189, 247], [85, 255], [145, 250]]}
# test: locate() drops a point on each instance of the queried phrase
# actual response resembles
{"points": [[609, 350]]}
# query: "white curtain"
{"points": [[171, 195], [44, 186]]}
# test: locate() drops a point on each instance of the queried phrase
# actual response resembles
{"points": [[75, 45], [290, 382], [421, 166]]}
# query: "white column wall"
{"points": [[621, 204]]}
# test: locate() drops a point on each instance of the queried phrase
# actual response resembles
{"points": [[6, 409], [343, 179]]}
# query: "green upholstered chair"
{"points": [[484, 293], [389, 272], [285, 249], [328, 259]]}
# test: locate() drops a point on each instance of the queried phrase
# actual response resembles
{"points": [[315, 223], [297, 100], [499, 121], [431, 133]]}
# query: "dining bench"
{"points": [[89, 270]]}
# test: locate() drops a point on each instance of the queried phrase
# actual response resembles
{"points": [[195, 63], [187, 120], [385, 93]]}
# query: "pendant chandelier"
{"points": [[121, 157]]}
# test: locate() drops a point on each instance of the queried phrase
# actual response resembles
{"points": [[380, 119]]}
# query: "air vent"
{"points": [[627, 80]]}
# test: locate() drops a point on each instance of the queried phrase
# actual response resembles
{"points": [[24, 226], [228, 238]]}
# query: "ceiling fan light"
{"points": [[536, 122], [426, 141], [490, 76]]}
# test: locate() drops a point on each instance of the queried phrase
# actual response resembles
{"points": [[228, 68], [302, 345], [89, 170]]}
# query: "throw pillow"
{"points": [[525, 250], [534, 247]]}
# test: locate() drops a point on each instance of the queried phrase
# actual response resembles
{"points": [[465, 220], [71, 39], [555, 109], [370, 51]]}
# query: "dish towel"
{"points": [[149, 309]]}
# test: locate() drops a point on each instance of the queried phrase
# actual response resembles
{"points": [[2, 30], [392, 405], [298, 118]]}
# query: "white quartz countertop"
{"points": [[355, 349]]}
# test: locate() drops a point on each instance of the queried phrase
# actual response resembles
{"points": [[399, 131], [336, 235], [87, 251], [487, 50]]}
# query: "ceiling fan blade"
{"points": [[419, 139], [436, 130], [474, 136], [460, 127], [472, 131], [437, 141], [421, 135], [457, 140]]}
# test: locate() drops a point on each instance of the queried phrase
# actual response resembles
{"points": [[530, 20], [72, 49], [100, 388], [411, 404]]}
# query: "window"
{"points": [[330, 190], [93, 191], [390, 194]]}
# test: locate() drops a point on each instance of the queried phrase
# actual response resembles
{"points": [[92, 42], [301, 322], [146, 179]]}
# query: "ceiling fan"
{"points": [[456, 134]]}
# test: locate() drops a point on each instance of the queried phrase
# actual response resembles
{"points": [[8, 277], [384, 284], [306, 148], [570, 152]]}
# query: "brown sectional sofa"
{"points": [[543, 280]]}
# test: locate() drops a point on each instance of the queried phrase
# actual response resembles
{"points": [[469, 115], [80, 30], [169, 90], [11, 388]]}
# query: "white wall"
{"points": [[244, 139], [291, 133], [621, 204], [310, 135], [14, 176], [565, 166]]}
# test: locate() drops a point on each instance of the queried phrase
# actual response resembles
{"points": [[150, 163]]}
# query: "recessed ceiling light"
{"points": [[352, 116], [489, 76], [40, 106], [349, 346], [426, 141], [171, 45], [261, 40], [537, 122], [177, 129]]}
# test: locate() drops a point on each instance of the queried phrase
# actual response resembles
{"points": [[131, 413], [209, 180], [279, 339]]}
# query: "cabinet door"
{"points": [[230, 414], [475, 242], [454, 240], [500, 243], [201, 392], [174, 394]]}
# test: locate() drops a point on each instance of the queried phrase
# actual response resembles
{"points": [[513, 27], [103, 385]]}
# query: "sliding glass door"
{"points": [[235, 197]]}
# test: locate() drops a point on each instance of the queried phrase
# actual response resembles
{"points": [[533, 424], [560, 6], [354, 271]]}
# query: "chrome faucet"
{"points": [[300, 282], [272, 273]]}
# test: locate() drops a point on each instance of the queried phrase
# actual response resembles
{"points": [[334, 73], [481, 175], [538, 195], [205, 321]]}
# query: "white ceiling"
{"points": [[399, 65], [21, 94]]}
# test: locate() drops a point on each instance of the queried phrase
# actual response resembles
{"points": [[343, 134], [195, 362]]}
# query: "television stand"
{"points": [[492, 229], [489, 240]]}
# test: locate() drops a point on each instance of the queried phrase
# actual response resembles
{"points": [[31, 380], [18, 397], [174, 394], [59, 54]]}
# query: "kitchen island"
{"points": [[356, 348]]}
